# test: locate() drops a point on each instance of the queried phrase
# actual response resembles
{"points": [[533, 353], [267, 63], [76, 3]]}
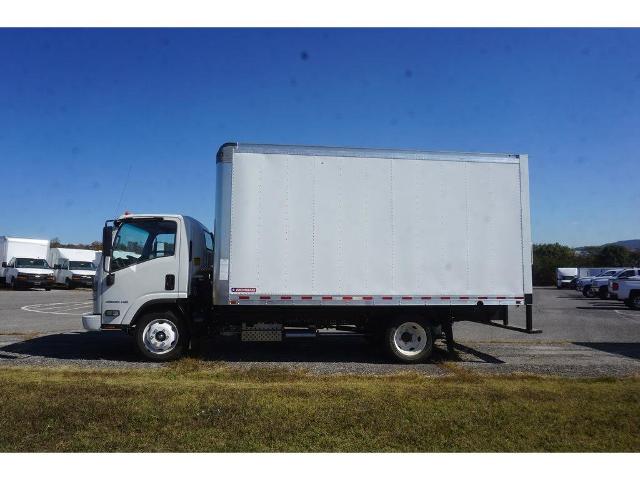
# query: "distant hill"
{"points": [[633, 245], [630, 244]]}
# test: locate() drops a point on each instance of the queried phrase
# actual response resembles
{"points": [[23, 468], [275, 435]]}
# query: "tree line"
{"points": [[56, 243], [549, 256]]}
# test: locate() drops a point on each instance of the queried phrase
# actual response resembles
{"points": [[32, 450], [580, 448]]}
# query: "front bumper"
{"points": [[92, 322], [34, 282], [82, 282]]}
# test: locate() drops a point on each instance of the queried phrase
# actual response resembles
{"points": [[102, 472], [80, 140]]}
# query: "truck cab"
{"points": [[156, 270], [28, 272], [74, 273]]}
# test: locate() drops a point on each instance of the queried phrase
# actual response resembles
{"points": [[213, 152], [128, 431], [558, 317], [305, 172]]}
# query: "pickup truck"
{"points": [[600, 285], [584, 284], [628, 290], [28, 272]]}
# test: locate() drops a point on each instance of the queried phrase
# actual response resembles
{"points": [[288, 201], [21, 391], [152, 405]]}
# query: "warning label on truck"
{"points": [[243, 290]]}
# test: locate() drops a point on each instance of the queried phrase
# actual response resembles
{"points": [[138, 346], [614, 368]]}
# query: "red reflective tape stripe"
{"points": [[367, 298], [521, 298], [464, 298], [232, 302], [445, 298], [425, 298], [347, 298], [501, 298], [265, 297], [407, 298], [244, 297], [387, 298], [306, 297], [327, 298], [285, 297], [483, 298]]}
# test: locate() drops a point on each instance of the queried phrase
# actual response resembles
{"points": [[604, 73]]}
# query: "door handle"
{"points": [[169, 282]]}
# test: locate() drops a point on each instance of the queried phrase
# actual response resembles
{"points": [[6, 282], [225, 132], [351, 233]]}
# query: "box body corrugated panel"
{"points": [[328, 222]]}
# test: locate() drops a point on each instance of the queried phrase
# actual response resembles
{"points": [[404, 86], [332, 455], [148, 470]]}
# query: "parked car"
{"points": [[628, 273], [587, 282], [28, 272], [600, 285], [628, 290]]}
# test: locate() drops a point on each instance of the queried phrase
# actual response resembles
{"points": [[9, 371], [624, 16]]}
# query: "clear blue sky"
{"points": [[78, 108]]}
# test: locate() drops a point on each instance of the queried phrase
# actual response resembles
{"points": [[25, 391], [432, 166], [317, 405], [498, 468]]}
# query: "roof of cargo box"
{"points": [[362, 153], [26, 240]]}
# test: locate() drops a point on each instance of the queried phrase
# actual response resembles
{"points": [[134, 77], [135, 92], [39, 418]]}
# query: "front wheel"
{"points": [[410, 341], [161, 336], [603, 293], [587, 292]]}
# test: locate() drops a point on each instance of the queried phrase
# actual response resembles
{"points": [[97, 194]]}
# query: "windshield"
{"points": [[31, 263], [143, 240], [608, 273], [81, 266]]}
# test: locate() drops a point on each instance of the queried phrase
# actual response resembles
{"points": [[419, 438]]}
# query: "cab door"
{"points": [[144, 266]]}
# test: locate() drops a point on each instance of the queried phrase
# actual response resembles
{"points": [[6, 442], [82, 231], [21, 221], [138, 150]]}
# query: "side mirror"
{"points": [[4, 264], [107, 238]]}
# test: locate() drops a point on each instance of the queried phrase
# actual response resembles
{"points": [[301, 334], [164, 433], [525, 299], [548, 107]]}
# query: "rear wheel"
{"points": [[161, 336], [68, 284], [586, 291], [603, 293], [409, 340]]}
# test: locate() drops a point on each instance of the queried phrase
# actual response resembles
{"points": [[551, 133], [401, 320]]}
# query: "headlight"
{"points": [[22, 275]]}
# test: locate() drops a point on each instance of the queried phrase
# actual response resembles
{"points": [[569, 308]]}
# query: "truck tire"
{"points": [[586, 291], [409, 340], [68, 284], [603, 293], [161, 336], [634, 301]]}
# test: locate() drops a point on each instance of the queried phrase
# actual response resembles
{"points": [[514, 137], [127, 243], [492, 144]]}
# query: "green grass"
{"points": [[192, 406]]}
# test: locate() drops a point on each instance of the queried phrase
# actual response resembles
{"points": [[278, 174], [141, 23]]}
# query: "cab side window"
{"points": [[141, 241]]}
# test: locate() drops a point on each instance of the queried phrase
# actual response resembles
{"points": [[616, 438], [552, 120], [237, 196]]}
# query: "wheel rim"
{"points": [[636, 301], [410, 338], [160, 336]]}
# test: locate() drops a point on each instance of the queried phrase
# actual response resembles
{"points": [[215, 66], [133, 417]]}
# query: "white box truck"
{"points": [[394, 245], [565, 275], [24, 262], [74, 267]]}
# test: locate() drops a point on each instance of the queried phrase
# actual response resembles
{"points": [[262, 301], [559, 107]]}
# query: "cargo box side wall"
{"points": [[325, 225]]}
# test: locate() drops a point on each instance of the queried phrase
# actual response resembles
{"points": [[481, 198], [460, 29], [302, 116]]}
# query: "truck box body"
{"points": [[316, 225], [56, 254], [11, 247]]}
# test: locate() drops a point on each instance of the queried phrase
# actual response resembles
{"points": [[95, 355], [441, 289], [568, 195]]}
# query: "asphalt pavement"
{"points": [[581, 337]]}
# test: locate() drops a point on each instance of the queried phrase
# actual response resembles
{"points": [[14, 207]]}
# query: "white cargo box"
{"points": [[316, 225], [58, 254]]}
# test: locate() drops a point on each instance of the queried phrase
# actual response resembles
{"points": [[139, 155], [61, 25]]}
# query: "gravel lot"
{"points": [[581, 337]]}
